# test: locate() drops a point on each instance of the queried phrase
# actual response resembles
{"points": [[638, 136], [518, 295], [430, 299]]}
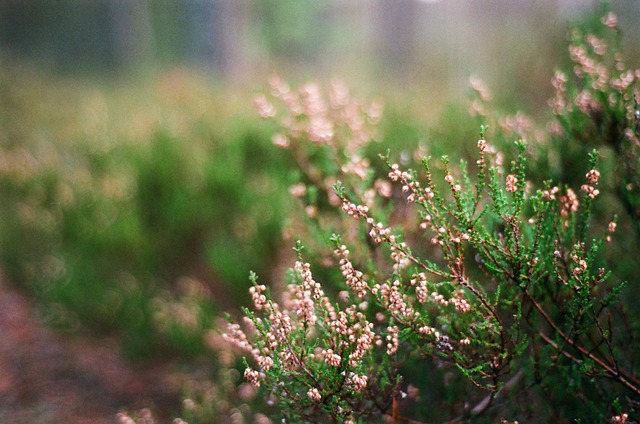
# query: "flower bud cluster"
{"points": [[258, 297], [392, 340], [356, 211], [332, 358], [379, 233], [569, 203], [254, 377], [592, 177], [511, 183], [612, 229], [410, 186], [354, 278], [581, 267], [314, 394], [399, 256], [237, 337], [393, 300], [358, 382], [419, 281]]}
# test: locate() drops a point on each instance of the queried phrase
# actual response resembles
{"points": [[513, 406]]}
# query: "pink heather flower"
{"points": [[582, 266], [357, 166], [314, 394], [569, 203], [237, 337], [394, 301], [622, 83], [395, 173], [392, 340], [611, 20], [420, 283], [265, 362], [619, 419], [298, 190], [550, 194], [559, 81], [427, 331], [123, 418], [383, 188], [339, 94], [511, 183], [482, 145], [374, 112], [428, 193], [253, 376], [320, 130], [259, 299], [438, 298], [288, 360], [278, 86], [281, 140], [331, 358], [312, 99], [612, 226], [590, 190], [341, 324], [354, 210], [559, 102], [599, 46], [461, 304], [354, 278], [593, 176], [399, 257], [281, 324], [363, 343], [379, 233], [308, 283], [264, 108], [359, 382], [481, 88], [586, 103]]}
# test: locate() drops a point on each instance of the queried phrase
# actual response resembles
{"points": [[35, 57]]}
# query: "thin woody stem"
{"points": [[627, 381]]}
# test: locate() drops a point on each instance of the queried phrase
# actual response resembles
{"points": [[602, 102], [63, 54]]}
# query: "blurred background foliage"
{"points": [[138, 188]]}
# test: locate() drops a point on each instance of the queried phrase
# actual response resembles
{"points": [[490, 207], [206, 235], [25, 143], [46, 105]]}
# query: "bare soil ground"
{"points": [[48, 377]]}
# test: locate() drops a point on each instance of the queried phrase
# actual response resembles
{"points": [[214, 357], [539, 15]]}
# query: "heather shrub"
{"points": [[432, 291]]}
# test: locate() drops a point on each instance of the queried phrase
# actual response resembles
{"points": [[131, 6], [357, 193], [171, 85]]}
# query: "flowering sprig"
{"points": [[324, 354], [490, 276], [595, 105]]}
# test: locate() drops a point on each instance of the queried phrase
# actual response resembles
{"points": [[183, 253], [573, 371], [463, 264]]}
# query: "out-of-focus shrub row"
{"points": [[135, 209]]}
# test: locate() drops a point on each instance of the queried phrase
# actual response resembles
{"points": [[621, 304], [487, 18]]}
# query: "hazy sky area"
{"points": [[388, 43]]}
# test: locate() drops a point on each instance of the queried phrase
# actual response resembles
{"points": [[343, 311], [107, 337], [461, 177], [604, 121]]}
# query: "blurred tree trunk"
{"points": [[214, 32], [130, 32], [227, 25], [396, 35]]}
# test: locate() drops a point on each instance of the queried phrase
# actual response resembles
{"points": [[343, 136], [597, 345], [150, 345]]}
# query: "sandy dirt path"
{"points": [[47, 377]]}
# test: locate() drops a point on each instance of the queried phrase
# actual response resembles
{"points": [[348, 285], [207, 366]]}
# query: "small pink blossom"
{"points": [[314, 394], [331, 358], [264, 108], [253, 376], [611, 20], [593, 176], [392, 340], [359, 382], [511, 183]]}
